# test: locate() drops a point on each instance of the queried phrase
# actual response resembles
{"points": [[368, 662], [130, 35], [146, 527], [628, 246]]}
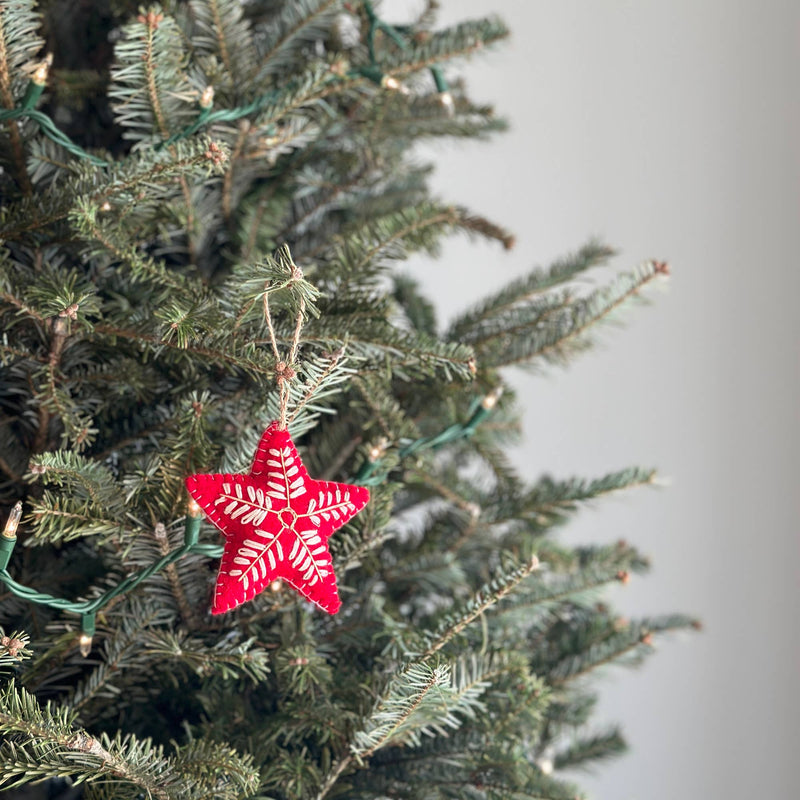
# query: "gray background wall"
{"points": [[670, 129]]}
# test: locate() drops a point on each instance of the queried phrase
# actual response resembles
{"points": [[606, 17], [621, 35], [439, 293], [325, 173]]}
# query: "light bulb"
{"points": [[85, 644], [446, 99], [193, 508], [207, 97], [39, 76], [490, 401], [10, 530], [276, 585], [390, 82]]}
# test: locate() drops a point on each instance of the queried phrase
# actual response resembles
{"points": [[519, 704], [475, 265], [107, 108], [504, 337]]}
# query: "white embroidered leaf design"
{"points": [[330, 505], [252, 555], [250, 510]]}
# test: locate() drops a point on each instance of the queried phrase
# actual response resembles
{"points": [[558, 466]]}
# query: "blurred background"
{"points": [[671, 130]]}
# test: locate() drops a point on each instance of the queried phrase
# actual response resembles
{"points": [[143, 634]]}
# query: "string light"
{"points": [[41, 72], [490, 401], [193, 509], [395, 85], [378, 449], [10, 530], [85, 644], [206, 98], [9, 537]]}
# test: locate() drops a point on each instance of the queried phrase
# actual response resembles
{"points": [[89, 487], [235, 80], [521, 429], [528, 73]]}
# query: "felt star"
{"points": [[276, 521]]}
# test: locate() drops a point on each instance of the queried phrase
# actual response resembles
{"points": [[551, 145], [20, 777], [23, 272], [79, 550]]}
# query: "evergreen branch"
{"points": [[22, 307], [292, 27], [524, 289], [62, 519], [220, 29], [246, 357], [627, 646], [555, 588], [70, 470], [600, 746], [115, 186], [50, 744], [104, 233], [550, 501], [14, 649], [217, 771], [228, 660], [524, 335], [549, 496], [148, 85], [460, 40], [367, 249], [43, 742], [393, 715], [484, 599], [8, 352], [19, 42], [409, 354], [188, 614], [121, 655]]}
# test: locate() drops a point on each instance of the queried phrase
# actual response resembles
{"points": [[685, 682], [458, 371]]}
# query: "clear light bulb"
{"points": [[193, 507], [10, 530], [207, 97], [490, 401], [447, 101], [85, 644]]}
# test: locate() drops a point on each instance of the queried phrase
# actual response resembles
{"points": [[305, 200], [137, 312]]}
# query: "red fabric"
{"points": [[276, 522]]}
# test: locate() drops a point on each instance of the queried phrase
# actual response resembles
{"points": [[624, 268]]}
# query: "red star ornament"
{"points": [[276, 522]]}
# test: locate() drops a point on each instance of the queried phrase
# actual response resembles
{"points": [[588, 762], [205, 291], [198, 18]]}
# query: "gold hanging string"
{"points": [[284, 370]]}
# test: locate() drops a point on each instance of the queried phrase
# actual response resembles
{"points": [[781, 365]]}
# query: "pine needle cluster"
{"points": [[140, 249]]}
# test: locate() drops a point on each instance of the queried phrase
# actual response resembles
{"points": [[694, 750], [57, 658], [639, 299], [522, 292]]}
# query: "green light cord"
{"points": [[50, 130], [88, 608], [394, 33], [206, 117], [370, 473]]}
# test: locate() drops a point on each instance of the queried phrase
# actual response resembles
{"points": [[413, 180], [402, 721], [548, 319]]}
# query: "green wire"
{"points": [[368, 474], [86, 607]]}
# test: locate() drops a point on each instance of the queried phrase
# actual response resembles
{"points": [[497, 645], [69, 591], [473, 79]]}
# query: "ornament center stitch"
{"points": [[288, 517]]}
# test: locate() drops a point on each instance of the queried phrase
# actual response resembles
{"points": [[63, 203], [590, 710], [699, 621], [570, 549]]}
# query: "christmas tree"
{"points": [[209, 350]]}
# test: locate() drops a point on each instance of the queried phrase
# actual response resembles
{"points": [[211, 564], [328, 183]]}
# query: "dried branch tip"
{"points": [[283, 372], [215, 153], [151, 19], [12, 646], [70, 311], [662, 267]]}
